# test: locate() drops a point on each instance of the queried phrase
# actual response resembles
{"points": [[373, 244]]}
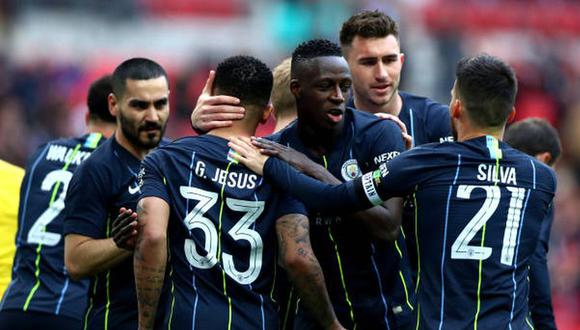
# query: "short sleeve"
{"points": [[290, 205], [387, 142], [86, 201], [151, 180]]}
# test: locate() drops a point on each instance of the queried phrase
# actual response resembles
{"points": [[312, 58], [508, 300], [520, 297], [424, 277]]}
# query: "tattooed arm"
{"points": [[303, 268], [150, 257]]}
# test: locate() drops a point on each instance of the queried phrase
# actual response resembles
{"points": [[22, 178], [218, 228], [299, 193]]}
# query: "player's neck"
{"points": [[318, 140], [469, 134], [393, 107], [139, 153], [282, 122], [239, 128], [101, 127]]}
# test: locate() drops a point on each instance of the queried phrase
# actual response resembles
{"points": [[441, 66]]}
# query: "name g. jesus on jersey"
{"points": [[231, 179]]}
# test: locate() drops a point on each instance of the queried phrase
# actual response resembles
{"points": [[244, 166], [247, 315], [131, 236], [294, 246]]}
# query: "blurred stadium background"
{"points": [[50, 51]]}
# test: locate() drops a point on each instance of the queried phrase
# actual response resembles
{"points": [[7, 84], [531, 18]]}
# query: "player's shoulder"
{"points": [[368, 124], [285, 134], [424, 106], [544, 175], [9, 170]]}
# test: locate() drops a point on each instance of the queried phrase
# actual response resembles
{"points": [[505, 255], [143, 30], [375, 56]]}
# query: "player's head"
{"points": [[248, 79], [140, 101], [537, 138], [282, 99], [320, 83], [370, 44], [99, 118], [485, 90]]}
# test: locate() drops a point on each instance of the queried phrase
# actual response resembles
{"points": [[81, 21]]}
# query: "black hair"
{"points": [[312, 49], [97, 99], [246, 78], [487, 87], [135, 69], [534, 136], [368, 24]]}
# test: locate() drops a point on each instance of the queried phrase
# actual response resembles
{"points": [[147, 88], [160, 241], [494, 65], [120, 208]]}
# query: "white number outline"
{"points": [[461, 248], [37, 233], [240, 231]]}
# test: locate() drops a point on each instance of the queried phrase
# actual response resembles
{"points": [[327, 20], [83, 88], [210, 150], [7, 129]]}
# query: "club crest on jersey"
{"points": [[350, 170]]}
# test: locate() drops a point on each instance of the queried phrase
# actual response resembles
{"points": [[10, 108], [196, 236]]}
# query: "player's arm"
{"points": [[540, 299], [214, 111], [298, 259], [85, 256], [150, 258], [313, 193], [383, 221]]}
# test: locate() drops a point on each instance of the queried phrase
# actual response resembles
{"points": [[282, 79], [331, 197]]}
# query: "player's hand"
{"points": [[124, 229], [295, 158], [408, 139], [214, 111], [247, 154]]}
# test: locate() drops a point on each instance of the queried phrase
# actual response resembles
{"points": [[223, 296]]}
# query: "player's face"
{"points": [[451, 106], [143, 111], [322, 93], [375, 64]]}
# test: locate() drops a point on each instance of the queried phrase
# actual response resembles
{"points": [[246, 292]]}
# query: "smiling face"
{"points": [[375, 64], [142, 111], [321, 89]]}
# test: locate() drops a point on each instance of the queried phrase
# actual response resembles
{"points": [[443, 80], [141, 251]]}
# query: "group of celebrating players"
{"points": [[373, 209]]}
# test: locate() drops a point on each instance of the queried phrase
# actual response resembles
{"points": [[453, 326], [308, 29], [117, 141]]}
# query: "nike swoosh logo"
{"points": [[133, 190]]}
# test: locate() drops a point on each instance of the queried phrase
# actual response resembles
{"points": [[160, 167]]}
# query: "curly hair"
{"points": [[246, 78]]}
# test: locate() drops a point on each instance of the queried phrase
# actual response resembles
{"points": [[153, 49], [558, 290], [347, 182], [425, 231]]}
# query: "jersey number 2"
{"points": [[38, 233], [240, 231], [461, 248]]}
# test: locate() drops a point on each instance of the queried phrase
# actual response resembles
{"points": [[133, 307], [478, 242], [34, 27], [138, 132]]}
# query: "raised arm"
{"points": [[214, 111], [383, 221], [303, 268], [332, 199], [150, 257]]}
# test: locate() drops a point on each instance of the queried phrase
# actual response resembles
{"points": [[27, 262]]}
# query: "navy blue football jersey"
{"points": [[479, 208], [221, 234], [40, 282], [102, 185], [359, 270]]}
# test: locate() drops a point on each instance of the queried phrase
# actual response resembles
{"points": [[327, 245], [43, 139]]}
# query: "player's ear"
{"points": [[512, 115], [544, 157], [87, 117], [456, 108], [295, 87], [113, 104], [402, 58], [266, 114]]}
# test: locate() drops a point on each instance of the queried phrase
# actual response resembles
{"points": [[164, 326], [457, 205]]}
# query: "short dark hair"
{"points": [[246, 78], [135, 69], [534, 136], [368, 24], [487, 87], [312, 49], [97, 99]]}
